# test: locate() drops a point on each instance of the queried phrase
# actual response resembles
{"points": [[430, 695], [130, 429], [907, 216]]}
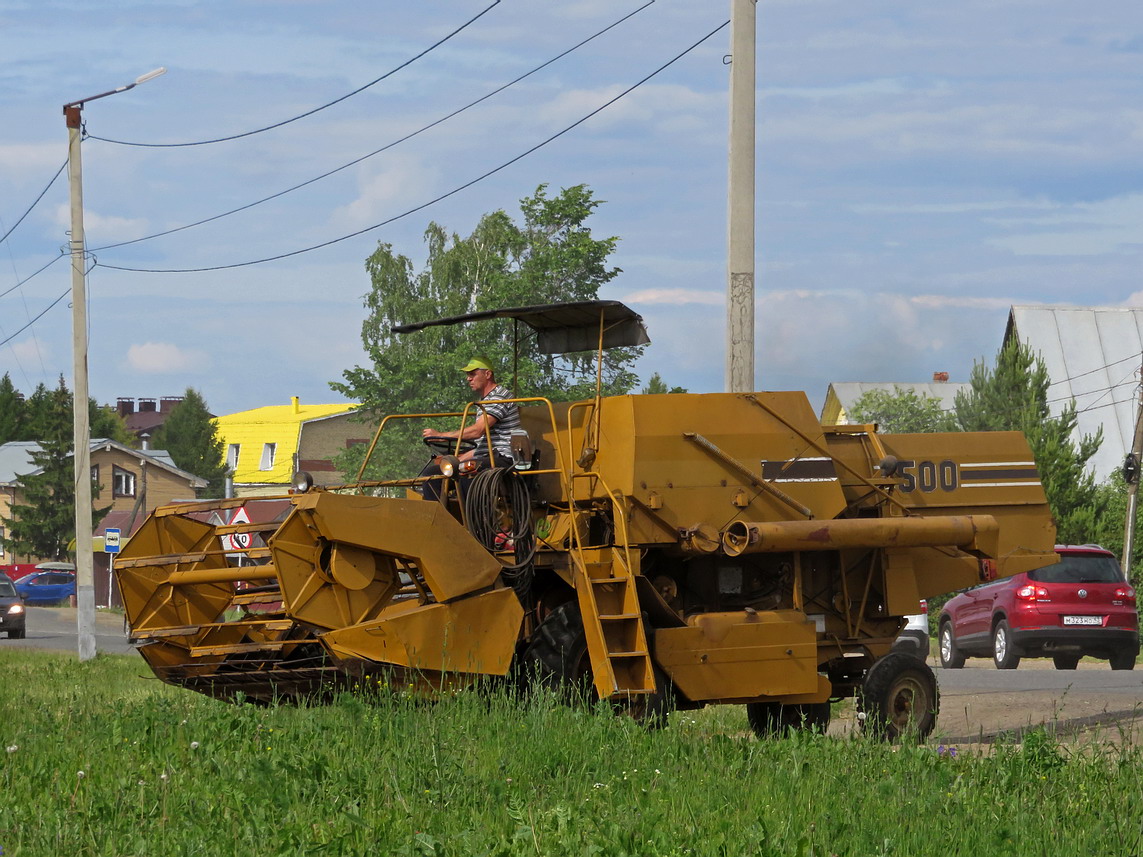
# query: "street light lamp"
{"points": [[81, 435]]}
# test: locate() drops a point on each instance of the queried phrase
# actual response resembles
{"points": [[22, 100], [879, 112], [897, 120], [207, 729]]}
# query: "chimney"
{"points": [[296, 404], [145, 437], [125, 407], [146, 406], [167, 403], [940, 377]]}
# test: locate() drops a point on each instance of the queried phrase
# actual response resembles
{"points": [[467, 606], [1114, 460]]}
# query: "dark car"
{"points": [[50, 583], [12, 618], [1080, 606]]}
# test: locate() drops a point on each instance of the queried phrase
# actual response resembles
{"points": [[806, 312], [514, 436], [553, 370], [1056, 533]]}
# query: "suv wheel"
{"points": [[951, 657], [1004, 652], [1123, 660]]}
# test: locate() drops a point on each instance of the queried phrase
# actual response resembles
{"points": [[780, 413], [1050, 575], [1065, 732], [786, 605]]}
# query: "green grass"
{"points": [[169, 772]]}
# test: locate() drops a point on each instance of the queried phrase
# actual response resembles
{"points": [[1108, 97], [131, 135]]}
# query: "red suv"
{"points": [[1080, 606]]}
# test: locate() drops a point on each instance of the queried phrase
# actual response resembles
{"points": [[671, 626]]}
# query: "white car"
{"points": [[914, 639]]}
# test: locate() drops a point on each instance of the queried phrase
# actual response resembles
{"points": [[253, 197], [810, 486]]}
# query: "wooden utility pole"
{"points": [[1131, 475], [740, 200]]}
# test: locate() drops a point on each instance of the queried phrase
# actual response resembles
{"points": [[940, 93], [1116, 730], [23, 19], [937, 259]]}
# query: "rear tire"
{"points": [[773, 719], [951, 657], [899, 697], [1004, 652], [1065, 662], [1123, 660], [557, 658]]}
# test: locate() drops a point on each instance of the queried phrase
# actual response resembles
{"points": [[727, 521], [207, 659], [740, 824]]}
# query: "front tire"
{"points": [[952, 658], [557, 658], [16, 635], [899, 697], [1004, 652]]}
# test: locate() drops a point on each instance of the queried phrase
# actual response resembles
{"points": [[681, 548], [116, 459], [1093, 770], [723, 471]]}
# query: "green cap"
{"points": [[477, 363]]}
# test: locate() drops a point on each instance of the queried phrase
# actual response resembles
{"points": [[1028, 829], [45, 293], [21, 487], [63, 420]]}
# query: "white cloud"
{"points": [[1091, 229], [101, 229], [676, 297], [164, 358], [387, 190]]}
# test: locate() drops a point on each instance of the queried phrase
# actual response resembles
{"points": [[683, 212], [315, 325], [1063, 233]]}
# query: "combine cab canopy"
{"points": [[562, 328]]}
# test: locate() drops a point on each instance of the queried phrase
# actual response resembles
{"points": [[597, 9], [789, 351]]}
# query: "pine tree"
{"points": [[11, 411], [191, 437], [43, 525]]}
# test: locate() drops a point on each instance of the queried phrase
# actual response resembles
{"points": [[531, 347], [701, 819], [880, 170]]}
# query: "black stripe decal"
{"points": [[799, 470]]}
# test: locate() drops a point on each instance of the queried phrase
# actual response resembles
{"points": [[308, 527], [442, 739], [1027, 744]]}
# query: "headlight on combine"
{"points": [[449, 465], [301, 483]]}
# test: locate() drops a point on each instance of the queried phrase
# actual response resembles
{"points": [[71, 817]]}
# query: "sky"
{"points": [[920, 169]]}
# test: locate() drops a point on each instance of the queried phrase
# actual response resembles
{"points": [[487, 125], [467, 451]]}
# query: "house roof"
{"points": [[16, 460], [1092, 355], [279, 425], [842, 395]]}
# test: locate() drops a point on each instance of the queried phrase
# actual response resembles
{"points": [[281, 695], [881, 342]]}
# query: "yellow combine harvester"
{"points": [[666, 551]]}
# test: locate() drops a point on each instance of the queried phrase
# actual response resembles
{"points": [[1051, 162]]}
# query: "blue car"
{"points": [[50, 583]]}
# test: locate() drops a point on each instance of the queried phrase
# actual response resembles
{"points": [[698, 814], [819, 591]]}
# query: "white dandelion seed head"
{"points": [[194, 745], [12, 748], [80, 774]]}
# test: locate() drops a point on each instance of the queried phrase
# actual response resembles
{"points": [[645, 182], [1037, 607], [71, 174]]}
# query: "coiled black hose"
{"points": [[498, 508]]}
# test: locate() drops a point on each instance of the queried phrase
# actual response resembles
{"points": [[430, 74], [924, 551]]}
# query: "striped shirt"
{"points": [[507, 416]]}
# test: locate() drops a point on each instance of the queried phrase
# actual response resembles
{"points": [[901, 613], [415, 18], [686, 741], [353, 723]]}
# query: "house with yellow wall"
{"points": [[265, 446]]}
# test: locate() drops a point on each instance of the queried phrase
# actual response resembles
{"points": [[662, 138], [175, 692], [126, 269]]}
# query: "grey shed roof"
{"points": [[16, 460], [1092, 355]]}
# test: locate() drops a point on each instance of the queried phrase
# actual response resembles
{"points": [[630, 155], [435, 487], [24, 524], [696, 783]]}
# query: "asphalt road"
{"points": [[55, 628]]}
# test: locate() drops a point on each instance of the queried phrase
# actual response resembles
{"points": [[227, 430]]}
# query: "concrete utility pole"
{"points": [[81, 427], [1131, 475], [740, 281]]}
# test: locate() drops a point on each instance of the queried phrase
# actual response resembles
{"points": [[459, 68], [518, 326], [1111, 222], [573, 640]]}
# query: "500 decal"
{"points": [[928, 476]]}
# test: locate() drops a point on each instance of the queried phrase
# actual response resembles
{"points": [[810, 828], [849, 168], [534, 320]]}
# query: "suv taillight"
{"points": [[1028, 592], [924, 607], [1125, 593]]}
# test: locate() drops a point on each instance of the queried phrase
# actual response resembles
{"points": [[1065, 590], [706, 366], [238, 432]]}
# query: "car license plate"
{"points": [[1083, 620]]}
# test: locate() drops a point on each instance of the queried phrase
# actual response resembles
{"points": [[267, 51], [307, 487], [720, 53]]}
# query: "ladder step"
{"points": [[638, 654], [617, 617], [608, 579]]}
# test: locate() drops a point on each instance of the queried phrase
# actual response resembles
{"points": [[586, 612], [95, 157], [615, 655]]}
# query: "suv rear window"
{"points": [[1077, 568]]}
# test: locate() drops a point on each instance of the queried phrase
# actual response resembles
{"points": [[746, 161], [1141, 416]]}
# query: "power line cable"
{"points": [[435, 200], [387, 146], [36, 273], [359, 89], [44, 312], [35, 203], [1097, 369]]}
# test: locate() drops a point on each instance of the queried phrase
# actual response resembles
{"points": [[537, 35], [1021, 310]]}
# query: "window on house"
{"points": [[232, 456], [122, 482], [1, 541], [268, 452]]}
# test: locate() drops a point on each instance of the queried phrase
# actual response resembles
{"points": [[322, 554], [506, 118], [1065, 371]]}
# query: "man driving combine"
{"points": [[497, 419]]}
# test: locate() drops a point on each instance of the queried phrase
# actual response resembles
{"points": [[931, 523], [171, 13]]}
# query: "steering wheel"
{"points": [[447, 445]]}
